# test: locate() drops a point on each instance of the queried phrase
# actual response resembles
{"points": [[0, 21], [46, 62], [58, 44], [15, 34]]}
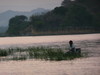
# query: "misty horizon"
{"points": [[28, 5], [23, 11]]}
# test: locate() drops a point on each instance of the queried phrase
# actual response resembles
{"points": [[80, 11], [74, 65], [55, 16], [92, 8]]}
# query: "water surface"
{"points": [[18, 41], [89, 43]]}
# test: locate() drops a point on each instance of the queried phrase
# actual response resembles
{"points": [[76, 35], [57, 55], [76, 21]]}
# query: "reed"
{"points": [[43, 53], [51, 54]]}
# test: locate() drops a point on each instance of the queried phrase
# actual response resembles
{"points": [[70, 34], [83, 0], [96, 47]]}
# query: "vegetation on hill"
{"points": [[74, 16], [17, 24]]}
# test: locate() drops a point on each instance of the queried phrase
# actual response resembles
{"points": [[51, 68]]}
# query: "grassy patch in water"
{"points": [[51, 54], [43, 53]]}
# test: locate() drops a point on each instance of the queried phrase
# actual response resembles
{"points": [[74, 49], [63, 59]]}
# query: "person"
{"points": [[71, 46]]}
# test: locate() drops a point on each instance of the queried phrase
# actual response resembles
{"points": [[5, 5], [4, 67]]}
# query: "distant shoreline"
{"points": [[4, 35]]}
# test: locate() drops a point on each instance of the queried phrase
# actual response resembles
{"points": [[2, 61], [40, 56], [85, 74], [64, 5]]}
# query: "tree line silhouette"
{"points": [[73, 16]]}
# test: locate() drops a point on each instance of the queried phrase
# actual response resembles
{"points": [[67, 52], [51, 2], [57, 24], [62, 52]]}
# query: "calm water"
{"points": [[88, 42]]}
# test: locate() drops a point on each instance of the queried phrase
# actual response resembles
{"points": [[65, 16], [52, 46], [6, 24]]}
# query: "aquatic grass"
{"points": [[10, 51], [51, 54], [3, 52], [19, 58], [43, 53]]}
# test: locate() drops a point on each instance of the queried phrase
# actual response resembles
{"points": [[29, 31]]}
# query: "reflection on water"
{"points": [[87, 42]]}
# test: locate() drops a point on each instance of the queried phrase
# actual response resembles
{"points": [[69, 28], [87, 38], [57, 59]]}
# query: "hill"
{"points": [[5, 16], [74, 16]]}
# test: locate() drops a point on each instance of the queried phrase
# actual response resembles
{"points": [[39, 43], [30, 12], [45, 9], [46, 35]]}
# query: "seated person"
{"points": [[71, 46]]}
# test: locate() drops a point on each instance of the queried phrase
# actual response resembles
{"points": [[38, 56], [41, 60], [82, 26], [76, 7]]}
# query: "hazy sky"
{"points": [[27, 5]]}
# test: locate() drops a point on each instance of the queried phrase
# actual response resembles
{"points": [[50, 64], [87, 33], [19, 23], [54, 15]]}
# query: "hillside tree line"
{"points": [[73, 16]]}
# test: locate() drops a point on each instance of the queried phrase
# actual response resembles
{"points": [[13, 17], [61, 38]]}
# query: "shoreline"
{"points": [[52, 34]]}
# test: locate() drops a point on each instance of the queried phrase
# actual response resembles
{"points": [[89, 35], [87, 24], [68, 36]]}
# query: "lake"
{"points": [[89, 43]]}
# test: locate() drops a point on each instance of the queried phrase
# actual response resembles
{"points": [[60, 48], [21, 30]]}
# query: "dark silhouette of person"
{"points": [[71, 46]]}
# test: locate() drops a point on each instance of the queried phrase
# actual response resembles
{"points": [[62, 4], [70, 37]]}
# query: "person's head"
{"points": [[70, 42]]}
